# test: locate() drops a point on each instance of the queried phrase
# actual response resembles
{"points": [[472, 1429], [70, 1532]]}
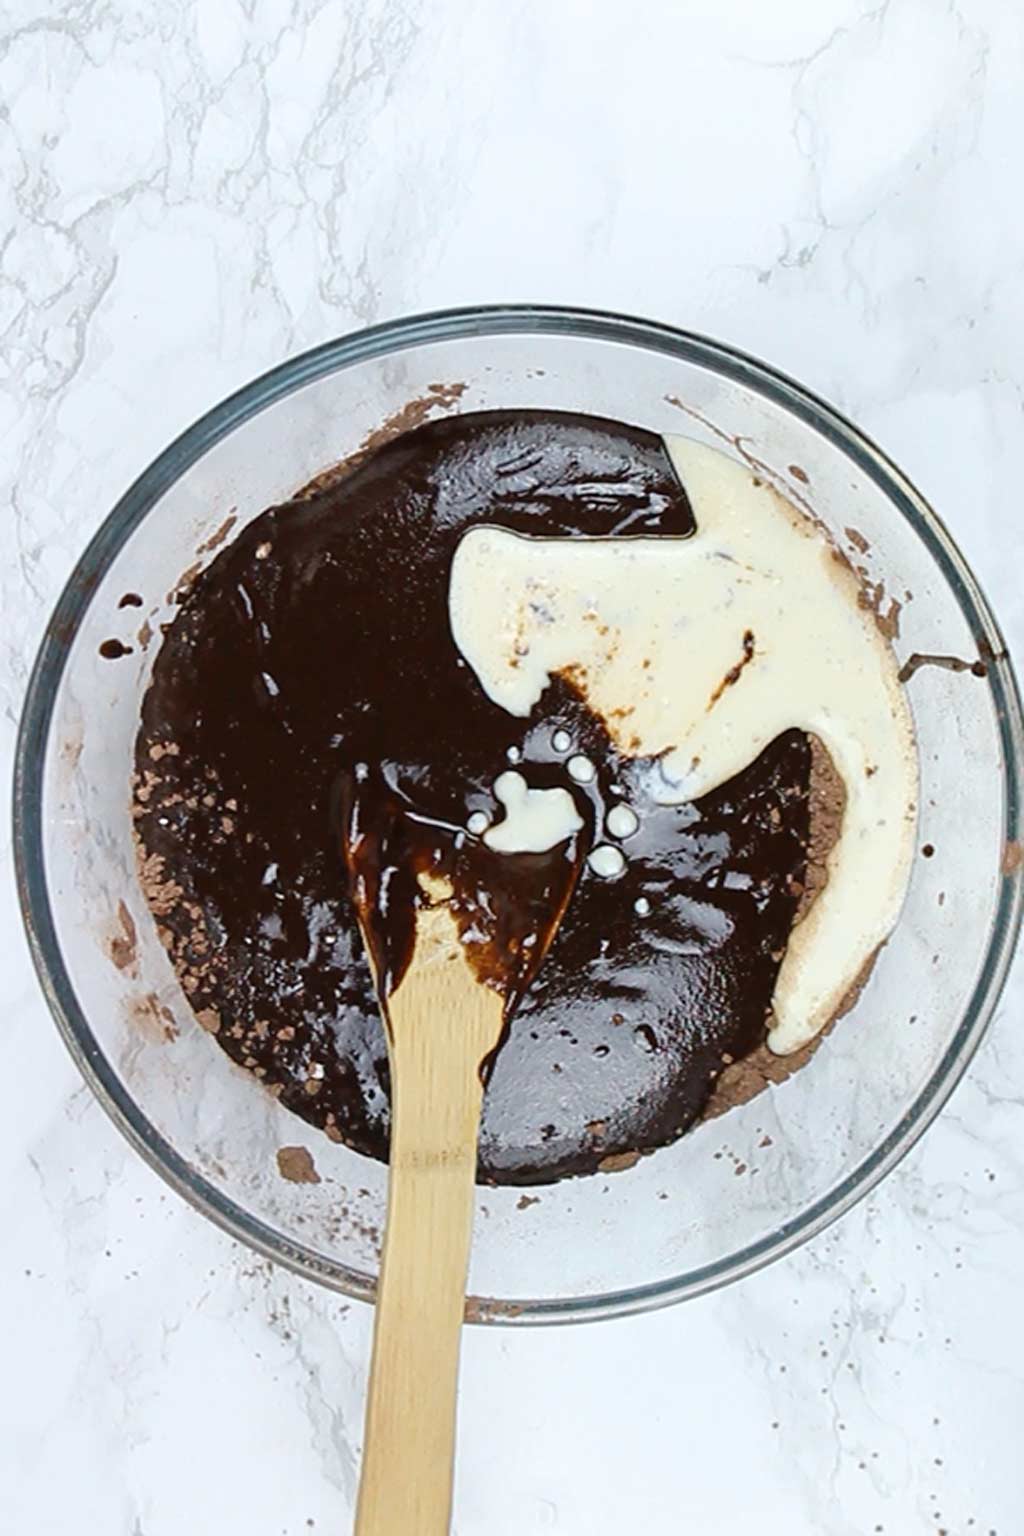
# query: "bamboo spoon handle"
{"points": [[442, 1022]]}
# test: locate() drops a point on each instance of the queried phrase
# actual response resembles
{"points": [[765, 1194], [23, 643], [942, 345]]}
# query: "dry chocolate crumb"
{"points": [[618, 1162], [162, 895], [525, 1201]]}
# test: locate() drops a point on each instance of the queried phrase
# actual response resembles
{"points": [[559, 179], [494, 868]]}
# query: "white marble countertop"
{"points": [[190, 192]]}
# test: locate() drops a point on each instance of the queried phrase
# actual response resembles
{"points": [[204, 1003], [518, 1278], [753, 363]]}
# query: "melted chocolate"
{"points": [[506, 909], [318, 640]]}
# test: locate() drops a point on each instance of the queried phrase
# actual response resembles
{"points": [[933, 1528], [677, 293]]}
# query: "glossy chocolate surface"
{"points": [[317, 641]]}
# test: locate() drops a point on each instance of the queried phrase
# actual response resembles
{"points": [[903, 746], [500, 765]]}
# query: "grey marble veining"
{"points": [[193, 189]]}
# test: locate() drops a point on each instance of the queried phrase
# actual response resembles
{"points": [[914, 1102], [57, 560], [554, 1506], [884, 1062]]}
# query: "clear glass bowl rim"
{"points": [[390, 337]]}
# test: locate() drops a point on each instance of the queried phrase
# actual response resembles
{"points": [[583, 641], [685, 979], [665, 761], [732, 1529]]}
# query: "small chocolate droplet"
{"points": [[110, 650]]}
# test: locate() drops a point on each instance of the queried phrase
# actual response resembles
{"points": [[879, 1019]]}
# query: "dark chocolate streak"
{"points": [[319, 639], [506, 909]]}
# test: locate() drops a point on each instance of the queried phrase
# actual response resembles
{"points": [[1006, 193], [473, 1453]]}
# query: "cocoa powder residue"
{"points": [[826, 807], [618, 1162], [740, 1081], [152, 1019], [217, 538], [123, 944], [744, 1080], [296, 1165]]}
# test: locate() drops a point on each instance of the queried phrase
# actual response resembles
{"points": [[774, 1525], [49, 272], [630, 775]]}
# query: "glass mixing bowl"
{"points": [[732, 1194]]}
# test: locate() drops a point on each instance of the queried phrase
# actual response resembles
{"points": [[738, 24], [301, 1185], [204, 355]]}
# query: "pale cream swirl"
{"points": [[703, 650]]}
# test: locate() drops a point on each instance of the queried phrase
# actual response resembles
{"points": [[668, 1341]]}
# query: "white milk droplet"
{"points": [[622, 821], [641, 906], [535, 819], [477, 823], [607, 861], [561, 741], [513, 754], [581, 769]]}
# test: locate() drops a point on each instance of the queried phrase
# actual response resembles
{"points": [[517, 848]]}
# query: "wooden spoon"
{"points": [[445, 1005]]}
